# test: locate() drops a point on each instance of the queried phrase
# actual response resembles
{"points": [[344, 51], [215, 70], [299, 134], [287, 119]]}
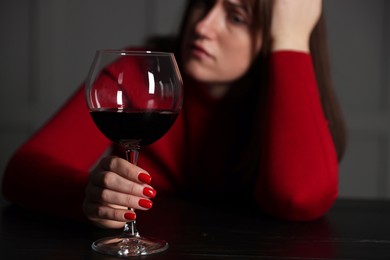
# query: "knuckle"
{"points": [[118, 215], [130, 201], [105, 195], [107, 179], [132, 188], [128, 173], [101, 212], [111, 162]]}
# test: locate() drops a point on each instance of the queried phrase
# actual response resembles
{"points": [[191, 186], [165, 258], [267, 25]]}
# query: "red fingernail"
{"points": [[145, 178], [130, 216], [148, 192], [145, 203]]}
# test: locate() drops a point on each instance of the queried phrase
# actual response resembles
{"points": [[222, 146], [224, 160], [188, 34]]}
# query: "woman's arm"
{"points": [[300, 168], [50, 171]]}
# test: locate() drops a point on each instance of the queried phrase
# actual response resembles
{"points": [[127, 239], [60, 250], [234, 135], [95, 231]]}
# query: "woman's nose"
{"points": [[209, 25]]}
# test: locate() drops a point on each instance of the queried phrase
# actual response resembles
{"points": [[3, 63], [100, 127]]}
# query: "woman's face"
{"points": [[217, 46]]}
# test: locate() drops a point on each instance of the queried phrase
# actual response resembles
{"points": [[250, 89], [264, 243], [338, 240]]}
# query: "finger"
{"points": [[106, 196], [97, 211], [113, 181], [125, 169]]}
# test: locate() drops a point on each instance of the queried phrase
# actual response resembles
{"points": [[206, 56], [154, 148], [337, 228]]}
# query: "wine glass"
{"points": [[134, 98]]}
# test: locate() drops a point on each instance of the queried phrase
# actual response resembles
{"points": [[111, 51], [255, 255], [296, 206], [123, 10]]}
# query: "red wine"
{"points": [[133, 127]]}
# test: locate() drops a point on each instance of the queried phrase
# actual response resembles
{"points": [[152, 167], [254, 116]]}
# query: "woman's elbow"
{"points": [[298, 206]]}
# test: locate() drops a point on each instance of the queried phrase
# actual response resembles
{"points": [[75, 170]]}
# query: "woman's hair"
{"points": [[260, 12]]}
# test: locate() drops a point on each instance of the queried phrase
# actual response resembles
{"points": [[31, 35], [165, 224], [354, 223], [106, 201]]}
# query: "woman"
{"points": [[260, 126]]}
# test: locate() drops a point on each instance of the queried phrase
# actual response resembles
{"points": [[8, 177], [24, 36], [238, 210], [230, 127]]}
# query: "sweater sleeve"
{"points": [[299, 173], [50, 171]]}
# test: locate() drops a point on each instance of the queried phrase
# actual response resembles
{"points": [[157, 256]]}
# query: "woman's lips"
{"points": [[199, 52]]}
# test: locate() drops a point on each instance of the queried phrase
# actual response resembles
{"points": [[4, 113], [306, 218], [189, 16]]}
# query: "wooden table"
{"points": [[353, 229]]}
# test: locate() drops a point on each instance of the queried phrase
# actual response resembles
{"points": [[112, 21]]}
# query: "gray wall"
{"points": [[46, 47], [359, 41]]}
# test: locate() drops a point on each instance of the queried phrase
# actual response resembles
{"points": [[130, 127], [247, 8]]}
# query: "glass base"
{"points": [[129, 246]]}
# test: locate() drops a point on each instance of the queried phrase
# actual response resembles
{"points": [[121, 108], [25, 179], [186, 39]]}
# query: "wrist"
{"points": [[289, 43]]}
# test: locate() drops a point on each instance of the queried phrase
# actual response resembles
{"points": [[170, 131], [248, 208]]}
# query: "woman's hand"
{"points": [[293, 22], [114, 186]]}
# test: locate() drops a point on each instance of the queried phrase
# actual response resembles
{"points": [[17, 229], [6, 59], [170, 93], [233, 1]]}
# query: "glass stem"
{"points": [[130, 229]]}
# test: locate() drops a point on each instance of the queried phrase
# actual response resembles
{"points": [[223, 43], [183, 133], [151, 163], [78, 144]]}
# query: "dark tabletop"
{"points": [[352, 229]]}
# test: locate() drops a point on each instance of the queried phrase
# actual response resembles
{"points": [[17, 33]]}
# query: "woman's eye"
{"points": [[238, 19]]}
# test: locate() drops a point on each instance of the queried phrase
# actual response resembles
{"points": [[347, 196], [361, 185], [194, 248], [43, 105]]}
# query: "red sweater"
{"points": [[291, 173]]}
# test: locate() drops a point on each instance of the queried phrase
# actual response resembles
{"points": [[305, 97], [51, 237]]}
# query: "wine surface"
{"points": [[132, 127]]}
